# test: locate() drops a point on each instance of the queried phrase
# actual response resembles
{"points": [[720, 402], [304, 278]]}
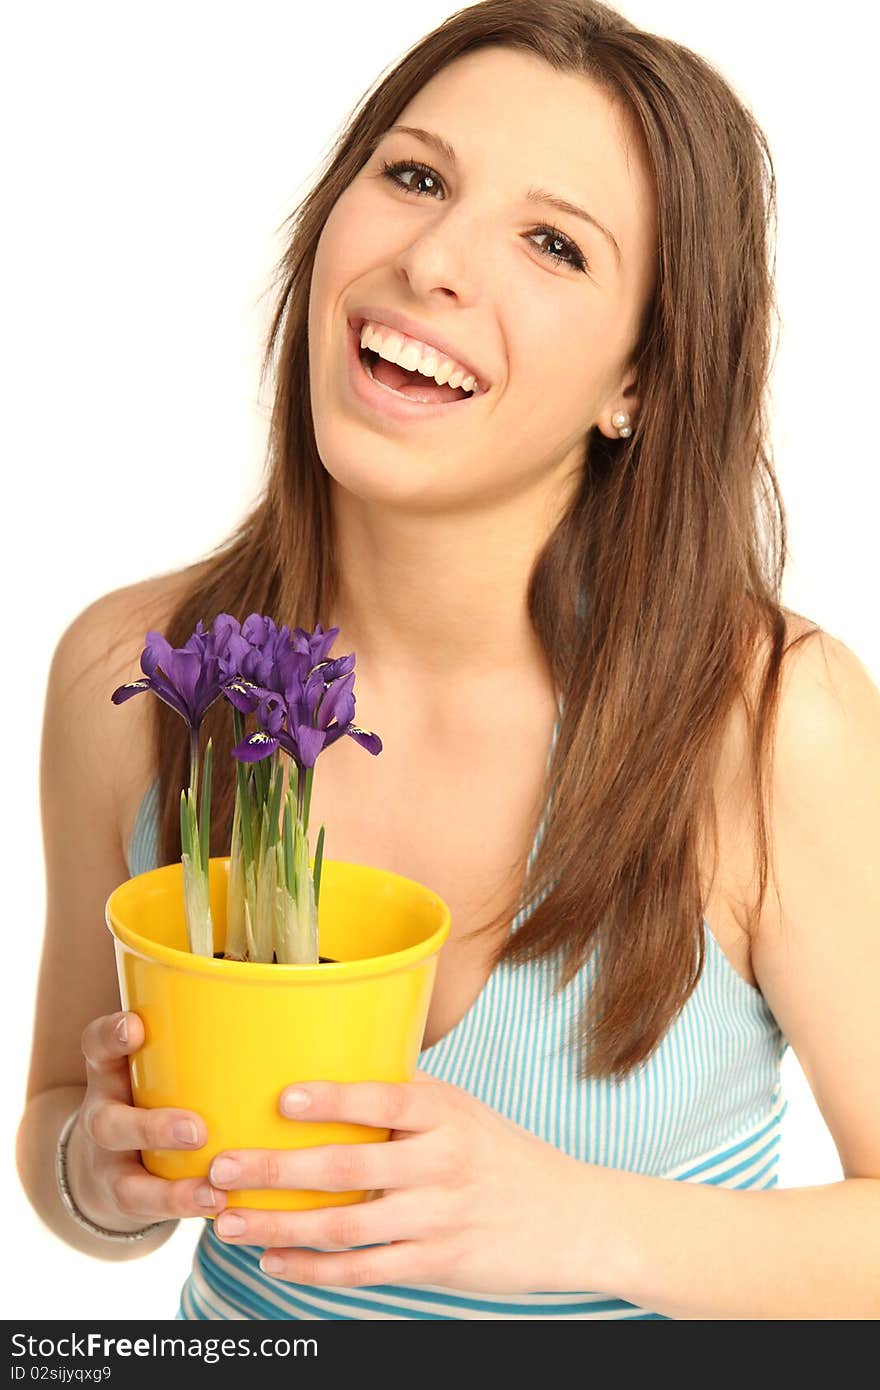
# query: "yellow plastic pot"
{"points": [[223, 1038]]}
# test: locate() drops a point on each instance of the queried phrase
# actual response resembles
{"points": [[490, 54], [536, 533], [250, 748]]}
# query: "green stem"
{"points": [[194, 762], [277, 777], [205, 811], [300, 794], [244, 800], [288, 849], [308, 798], [237, 725], [259, 768]]}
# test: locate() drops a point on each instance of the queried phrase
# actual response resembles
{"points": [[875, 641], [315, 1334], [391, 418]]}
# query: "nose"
{"points": [[440, 260]]}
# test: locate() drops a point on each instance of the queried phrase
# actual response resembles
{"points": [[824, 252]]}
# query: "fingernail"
{"points": [[121, 1030], [271, 1264], [231, 1224], [185, 1132], [204, 1195], [293, 1102], [224, 1170]]}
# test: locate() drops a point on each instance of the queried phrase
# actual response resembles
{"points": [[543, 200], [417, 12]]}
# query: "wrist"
{"points": [[595, 1256], [66, 1152]]}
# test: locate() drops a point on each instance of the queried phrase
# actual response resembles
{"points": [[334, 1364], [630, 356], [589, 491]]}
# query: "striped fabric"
{"points": [[706, 1107]]}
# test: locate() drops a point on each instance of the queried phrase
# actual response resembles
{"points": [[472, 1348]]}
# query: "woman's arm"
{"points": [[693, 1251], [37, 1141], [82, 754]]}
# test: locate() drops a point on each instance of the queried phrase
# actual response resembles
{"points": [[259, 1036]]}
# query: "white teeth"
{"points": [[428, 364], [389, 348], [414, 358], [410, 357]]}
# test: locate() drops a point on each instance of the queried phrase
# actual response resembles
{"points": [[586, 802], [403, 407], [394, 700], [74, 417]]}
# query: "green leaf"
{"points": [[185, 840], [310, 774], [306, 908], [264, 834], [261, 781], [287, 835], [244, 802], [197, 908], [236, 947], [275, 804], [237, 724], [264, 918], [319, 860], [250, 909], [193, 827], [205, 810]]}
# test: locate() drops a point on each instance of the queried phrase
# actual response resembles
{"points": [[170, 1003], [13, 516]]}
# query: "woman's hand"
{"points": [[108, 1182], [469, 1200]]}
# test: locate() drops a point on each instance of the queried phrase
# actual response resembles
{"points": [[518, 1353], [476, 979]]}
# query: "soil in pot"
{"points": [[322, 960]]}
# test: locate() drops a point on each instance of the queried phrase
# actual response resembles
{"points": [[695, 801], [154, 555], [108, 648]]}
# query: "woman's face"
{"points": [[464, 253]]}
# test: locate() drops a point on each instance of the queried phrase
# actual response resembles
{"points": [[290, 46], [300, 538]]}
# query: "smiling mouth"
{"points": [[411, 385]]}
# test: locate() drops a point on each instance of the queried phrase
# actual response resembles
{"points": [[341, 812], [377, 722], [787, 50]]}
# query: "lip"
{"points": [[392, 318], [378, 397]]}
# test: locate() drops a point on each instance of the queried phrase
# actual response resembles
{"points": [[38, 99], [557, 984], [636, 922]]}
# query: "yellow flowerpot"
{"points": [[223, 1038]]}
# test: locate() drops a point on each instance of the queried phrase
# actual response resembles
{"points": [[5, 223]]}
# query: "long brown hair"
{"points": [[675, 538]]}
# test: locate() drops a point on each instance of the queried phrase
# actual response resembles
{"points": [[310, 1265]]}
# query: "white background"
{"points": [[152, 154]]}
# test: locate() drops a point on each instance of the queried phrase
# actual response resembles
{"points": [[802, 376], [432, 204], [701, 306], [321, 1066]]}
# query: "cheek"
{"points": [[330, 269], [555, 388], [564, 351], [355, 236]]}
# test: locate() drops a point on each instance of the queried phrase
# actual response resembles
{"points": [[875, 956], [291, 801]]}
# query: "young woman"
{"points": [[519, 457]]}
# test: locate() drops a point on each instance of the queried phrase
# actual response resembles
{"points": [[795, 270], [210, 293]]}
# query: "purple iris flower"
{"points": [[315, 645], [231, 645], [309, 691], [189, 678], [260, 666], [266, 645]]}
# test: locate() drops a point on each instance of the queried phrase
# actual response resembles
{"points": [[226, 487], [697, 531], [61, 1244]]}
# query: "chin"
{"points": [[378, 470]]}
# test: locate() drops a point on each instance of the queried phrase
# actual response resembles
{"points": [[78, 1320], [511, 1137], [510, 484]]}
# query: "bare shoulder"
{"points": [[816, 949], [825, 774], [826, 692], [99, 650]]}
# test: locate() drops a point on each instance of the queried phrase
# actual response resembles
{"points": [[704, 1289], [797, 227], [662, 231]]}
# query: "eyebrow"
{"points": [[533, 195]]}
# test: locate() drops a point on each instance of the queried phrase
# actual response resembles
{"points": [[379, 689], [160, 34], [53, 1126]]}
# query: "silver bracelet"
{"points": [[70, 1205]]}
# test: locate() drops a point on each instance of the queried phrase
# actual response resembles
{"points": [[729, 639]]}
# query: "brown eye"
{"points": [[559, 243], [392, 173]]}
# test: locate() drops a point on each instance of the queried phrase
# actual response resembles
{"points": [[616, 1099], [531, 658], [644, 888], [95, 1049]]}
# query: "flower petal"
{"points": [[183, 672], [310, 742], [365, 738], [244, 694], [338, 702], [125, 692], [156, 653], [254, 747]]}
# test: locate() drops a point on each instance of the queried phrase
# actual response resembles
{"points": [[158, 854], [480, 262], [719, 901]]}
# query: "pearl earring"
{"points": [[620, 421]]}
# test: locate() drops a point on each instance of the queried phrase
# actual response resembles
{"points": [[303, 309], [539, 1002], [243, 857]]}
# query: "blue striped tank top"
{"points": [[706, 1107]]}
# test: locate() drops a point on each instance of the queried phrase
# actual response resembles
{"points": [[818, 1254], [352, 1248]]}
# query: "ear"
{"points": [[625, 399]]}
